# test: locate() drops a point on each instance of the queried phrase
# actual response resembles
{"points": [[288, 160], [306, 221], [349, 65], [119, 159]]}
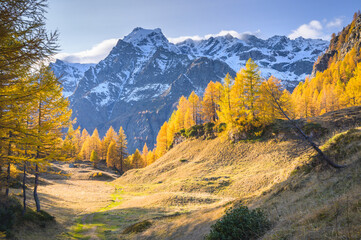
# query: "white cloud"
{"points": [[183, 38], [221, 33], [315, 29], [101, 50], [336, 23], [93, 55], [311, 30]]}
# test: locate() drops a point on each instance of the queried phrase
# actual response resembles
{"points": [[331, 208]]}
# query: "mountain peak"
{"points": [[148, 40], [139, 34]]}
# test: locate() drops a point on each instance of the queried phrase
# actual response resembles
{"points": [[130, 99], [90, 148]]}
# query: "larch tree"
{"points": [[14, 139], [94, 157], [172, 128], [84, 136], [111, 135], [112, 155], [70, 145], [85, 150], [94, 142], [182, 107], [24, 41], [194, 107], [137, 161], [327, 91], [353, 88], [209, 103], [150, 157], [225, 112], [238, 100], [268, 112], [162, 141], [51, 114], [188, 119], [145, 154], [252, 82], [122, 150]]}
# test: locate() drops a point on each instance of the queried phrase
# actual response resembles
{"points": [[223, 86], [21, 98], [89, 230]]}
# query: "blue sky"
{"points": [[90, 28]]}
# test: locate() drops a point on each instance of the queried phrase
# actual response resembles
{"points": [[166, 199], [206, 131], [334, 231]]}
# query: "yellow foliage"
{"points": [[335, 88], [14, 172]]}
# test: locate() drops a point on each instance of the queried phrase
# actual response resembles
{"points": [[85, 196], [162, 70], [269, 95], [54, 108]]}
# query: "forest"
{"points": [[35, 119]]}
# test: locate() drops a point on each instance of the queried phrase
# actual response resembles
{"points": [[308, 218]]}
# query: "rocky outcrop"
{"points": [[340, 45]]}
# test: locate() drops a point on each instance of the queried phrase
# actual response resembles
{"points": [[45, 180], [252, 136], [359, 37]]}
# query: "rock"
{"points": [[72, 165]]}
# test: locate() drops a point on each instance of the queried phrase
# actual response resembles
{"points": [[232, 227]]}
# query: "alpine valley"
{"points": [[138, 84]]}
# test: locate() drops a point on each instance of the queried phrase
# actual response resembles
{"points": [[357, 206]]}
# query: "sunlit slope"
{"points": [[217, 166], [279, 174], [243, 169]]}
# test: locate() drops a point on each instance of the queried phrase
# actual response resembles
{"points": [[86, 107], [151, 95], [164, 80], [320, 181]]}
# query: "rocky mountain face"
{"points": [[139, 83], [69, 74], [341, 44]]}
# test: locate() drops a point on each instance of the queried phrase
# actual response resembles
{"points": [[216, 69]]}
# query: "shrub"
{"points": [[221, 127], [183, 132], [195, 131], [10, 209], [208, 127], [40, 218], [239, 223]]}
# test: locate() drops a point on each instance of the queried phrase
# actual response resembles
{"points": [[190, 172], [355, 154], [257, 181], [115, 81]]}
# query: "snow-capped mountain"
{"points": [[69, 74], [289, 60], [138, 84]]}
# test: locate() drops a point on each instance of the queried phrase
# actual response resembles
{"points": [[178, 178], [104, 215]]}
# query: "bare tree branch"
{"points": [[299, 130]]}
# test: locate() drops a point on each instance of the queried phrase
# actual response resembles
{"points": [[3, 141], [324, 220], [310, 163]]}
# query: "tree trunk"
{"points": [[121, 163], [24, 190], [1, 179], [7, 180], [36, 197], [314, 146], [36, 182], [8, 168]]}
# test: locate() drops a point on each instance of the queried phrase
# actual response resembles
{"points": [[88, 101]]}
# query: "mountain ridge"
{"points": [[144, 72]]}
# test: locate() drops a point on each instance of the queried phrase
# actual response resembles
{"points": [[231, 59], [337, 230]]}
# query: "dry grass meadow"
{"points": [[183, 193]]}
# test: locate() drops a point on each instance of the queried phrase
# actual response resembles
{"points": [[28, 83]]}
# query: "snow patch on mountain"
{"points": [[286, 59], [69, 74], [138, 84], [141, 93]]}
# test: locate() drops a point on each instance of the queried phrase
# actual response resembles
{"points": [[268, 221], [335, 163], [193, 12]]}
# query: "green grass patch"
{"points": [[116, 199]]}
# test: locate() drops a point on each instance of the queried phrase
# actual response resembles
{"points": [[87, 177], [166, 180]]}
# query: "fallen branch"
{"points": [[313, 145]]}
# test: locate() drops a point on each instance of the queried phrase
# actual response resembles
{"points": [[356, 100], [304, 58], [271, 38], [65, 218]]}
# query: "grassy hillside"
{"points": [[197, 179], [187, 190]]}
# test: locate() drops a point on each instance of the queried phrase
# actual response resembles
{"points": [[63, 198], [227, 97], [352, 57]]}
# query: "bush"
{"points": [[239, 223], [10, 209], [195, 131], [221, 127], [33, 216], [209, 130], [208, 127]]}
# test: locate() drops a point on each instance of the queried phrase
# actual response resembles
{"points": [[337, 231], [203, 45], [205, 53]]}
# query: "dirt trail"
{"points": [[70, 201], [92, 231]]}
